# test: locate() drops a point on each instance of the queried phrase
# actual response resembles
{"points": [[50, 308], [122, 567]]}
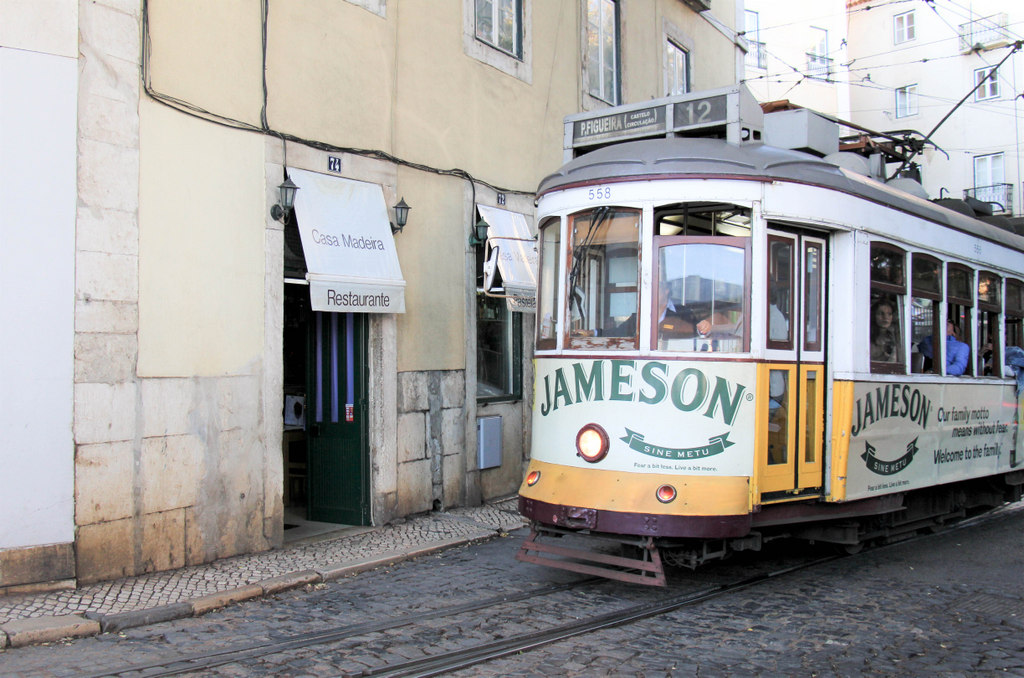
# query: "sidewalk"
{"points": [[31, 619]]}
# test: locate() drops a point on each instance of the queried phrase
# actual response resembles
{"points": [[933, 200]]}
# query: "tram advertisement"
{"points": [[906, 436], [687, 417]]}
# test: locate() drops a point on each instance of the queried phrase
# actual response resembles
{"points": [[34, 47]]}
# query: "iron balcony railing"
{"points": [[818, 66], [1000, 196], [757, 57], [987, 31]]}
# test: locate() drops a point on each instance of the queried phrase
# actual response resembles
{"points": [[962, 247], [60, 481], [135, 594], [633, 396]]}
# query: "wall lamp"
{"points": [[286, 201], [401, 216], [478, 236]]}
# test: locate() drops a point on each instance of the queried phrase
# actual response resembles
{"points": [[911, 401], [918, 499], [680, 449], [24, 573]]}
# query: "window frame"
{"points": [[615, 96], [544, 343], [512, 362], [988, 74], [919, 291], [907, 32], [753, 37], [743, 243], [897, 289], [910, 107], [494, 40], [672, 71], [1013, 315], [992, 312], [960, 310]]}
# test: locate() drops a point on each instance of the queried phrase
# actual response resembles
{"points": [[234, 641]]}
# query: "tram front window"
{"points": [[604, 278], [700, 300]]}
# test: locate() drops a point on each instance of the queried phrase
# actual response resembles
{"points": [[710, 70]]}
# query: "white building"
{"points": [[946, 71]]}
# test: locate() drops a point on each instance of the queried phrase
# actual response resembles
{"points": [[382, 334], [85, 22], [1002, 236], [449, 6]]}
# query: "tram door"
{"points": [[791, 383]]}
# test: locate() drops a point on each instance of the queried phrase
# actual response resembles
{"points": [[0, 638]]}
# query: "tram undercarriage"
{"points": [[875, 522]]}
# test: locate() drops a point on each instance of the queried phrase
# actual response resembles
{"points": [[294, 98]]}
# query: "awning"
{"points": [[350, 252], [509, 234]]}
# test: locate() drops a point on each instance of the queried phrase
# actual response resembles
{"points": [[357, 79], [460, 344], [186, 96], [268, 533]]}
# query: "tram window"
{"points": [[989, 308], [959, 307], [780, 292], [813, 256], [778, 417], [925, 318], [1014, 313], [547, 285], [702, 219], [604, 278], [700, 305], [888, 292]]}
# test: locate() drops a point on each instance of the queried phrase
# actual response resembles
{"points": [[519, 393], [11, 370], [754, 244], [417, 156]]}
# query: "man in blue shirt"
{"points": [[957, 352]]}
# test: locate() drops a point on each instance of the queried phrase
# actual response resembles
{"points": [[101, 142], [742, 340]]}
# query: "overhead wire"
{"points": [[265, 128]]}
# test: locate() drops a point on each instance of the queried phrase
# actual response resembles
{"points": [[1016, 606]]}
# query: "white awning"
{"points": [[350, 253], [509, 234]]}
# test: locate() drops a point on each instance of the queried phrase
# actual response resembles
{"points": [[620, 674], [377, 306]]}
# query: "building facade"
{"points": [[186, 364]]}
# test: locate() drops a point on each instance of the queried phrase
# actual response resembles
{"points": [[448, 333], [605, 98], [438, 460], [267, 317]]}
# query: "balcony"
{"points": [[818, 66], [985, 33], [1000, 196], [757, 57]]}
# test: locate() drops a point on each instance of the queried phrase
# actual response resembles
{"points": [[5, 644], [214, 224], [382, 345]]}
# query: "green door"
{"points": [[338, 456]]}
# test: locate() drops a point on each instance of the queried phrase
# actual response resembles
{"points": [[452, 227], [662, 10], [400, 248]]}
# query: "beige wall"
{"points": [[208, 53], [201, 241], [49, 26]]}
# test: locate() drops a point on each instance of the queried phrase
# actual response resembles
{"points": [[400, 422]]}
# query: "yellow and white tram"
{"points": [[715, 365]]}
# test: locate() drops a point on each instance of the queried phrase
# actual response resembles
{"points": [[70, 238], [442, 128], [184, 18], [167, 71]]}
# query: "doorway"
{"points": [[792, 382], [325, 452]]}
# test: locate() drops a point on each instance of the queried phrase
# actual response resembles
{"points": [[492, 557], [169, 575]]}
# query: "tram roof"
{"points": [[685, 157]]}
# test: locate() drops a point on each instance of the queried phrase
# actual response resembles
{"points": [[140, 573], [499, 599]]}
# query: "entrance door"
{"points": [[791, 384], [336, 415]]}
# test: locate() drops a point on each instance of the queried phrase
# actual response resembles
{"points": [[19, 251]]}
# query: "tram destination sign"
{"points": [[619, 125]]}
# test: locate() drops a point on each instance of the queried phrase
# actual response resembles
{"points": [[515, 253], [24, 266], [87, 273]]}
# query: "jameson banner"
{"points": [[716, 445], [887, 468]]}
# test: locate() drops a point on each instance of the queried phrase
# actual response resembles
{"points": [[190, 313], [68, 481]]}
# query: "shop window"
{"points": [[888, 293], [499, 352]]}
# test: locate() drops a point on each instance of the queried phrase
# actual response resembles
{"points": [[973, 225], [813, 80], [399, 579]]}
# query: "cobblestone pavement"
{"points": [[121, 603], [946, 605]]}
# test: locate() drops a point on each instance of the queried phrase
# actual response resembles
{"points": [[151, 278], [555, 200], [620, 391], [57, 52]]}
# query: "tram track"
{"points": [[460, 658]]}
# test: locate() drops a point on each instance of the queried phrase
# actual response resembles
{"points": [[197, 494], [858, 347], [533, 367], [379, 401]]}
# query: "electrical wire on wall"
{"points": [[265, 128]]}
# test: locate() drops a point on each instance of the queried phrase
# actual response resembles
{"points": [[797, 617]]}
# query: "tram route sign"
{"points": [[619, 125]]}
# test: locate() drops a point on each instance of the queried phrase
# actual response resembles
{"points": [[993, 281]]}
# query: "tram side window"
{"points": [[959, 305], [1014, 314], [990, 304], [925, 311], [888, 292], [604, 278], [547, 284]]}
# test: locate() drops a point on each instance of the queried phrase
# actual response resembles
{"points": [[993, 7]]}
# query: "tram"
{"points": [[735, 344]]}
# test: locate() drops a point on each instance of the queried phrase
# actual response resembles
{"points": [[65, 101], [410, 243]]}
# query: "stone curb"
{"points": [[119, 621], [37, 630]]}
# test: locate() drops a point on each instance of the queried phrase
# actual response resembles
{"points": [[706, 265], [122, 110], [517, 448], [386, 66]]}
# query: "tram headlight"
{"points": [[592, 443], [666, 494], [532, 477]]}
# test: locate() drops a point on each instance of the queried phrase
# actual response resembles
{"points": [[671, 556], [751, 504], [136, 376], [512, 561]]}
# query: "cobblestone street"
{"points": [[946, 605]]}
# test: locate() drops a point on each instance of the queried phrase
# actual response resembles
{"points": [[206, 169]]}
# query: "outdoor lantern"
{"points": [[479, 235], [286, 200], [401, 216]]}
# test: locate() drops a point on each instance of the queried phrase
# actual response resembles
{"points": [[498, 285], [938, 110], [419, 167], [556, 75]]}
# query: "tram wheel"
{"points": [[851, 549]]}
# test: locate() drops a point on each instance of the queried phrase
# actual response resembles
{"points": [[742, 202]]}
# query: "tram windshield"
{"points": [[604, 278], [701, 294]]}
